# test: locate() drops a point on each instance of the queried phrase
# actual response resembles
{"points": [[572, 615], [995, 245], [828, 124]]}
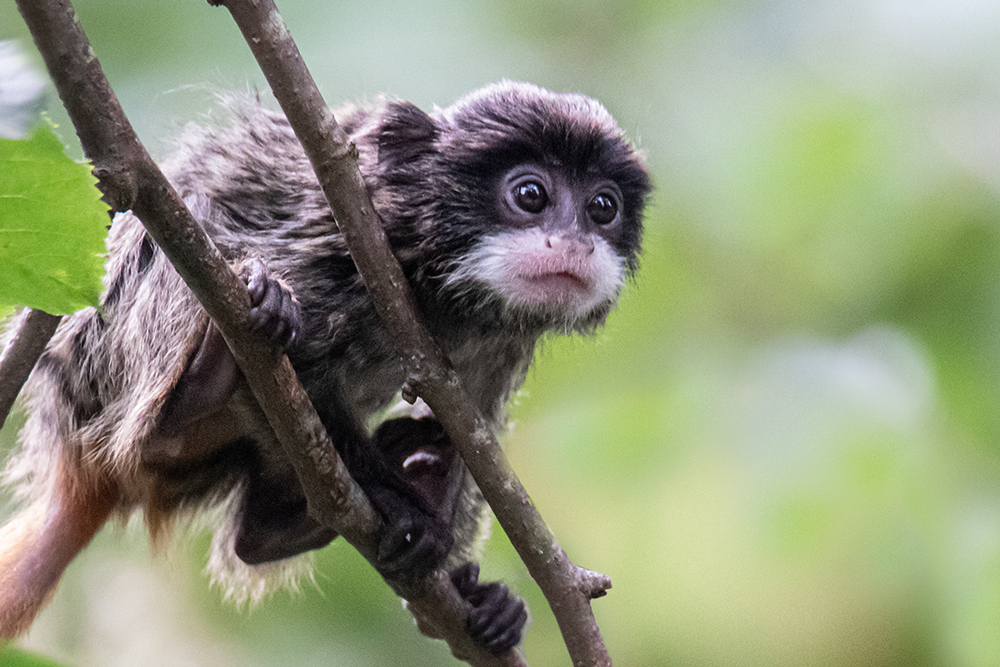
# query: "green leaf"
{"points": [[52, 226]]}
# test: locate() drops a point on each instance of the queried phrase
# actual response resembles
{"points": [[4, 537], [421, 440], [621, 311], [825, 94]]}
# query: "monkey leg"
{"points": [[38, 544], [205, 387], [274, 521], [206, 437]]}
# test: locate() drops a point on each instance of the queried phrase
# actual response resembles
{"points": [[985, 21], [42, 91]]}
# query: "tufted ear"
{"points": [[404, 134]]}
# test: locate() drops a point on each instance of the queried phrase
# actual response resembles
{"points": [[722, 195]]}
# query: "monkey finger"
{"points": [[466, 579], [274, 309], [510, 637], [291, 314], [255, 277], [487, 597], [256, 287], [496, 623], [271, 298], [277, 330]]}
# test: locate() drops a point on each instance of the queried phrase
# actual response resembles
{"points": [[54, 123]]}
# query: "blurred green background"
{"points": [[785, 446]]}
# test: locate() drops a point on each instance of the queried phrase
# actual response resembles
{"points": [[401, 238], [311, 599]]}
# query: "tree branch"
{"points": [[428, 372], [130, 179], [26, 344]]}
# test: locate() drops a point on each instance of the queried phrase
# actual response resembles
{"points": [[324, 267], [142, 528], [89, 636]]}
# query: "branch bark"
{"points": [[567, 587], [130, 180]]}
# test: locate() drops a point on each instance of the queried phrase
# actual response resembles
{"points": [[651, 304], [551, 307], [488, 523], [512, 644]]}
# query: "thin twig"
{"points": [[428, 373], [27, 342]]}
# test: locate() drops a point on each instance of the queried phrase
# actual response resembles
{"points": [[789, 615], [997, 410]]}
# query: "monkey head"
{"points": [[535, 219]]}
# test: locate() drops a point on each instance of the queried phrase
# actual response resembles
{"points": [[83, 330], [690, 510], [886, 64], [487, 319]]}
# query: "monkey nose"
{"points": [[570, 243]]}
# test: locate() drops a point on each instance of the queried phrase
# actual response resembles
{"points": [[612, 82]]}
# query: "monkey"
{"points": [[516, 213]]}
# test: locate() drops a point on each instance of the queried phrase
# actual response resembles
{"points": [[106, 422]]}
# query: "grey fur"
{"points": [[95, 396]]}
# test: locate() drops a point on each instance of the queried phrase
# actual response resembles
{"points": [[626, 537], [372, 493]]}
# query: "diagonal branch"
{"points": [[567, 587]]}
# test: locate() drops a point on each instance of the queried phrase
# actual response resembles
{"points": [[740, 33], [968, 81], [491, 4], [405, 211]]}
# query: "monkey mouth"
{"points": [[560, 289], [563, 284], [559, 281]]}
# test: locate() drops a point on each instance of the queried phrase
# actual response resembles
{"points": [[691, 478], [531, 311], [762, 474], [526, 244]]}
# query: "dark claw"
{"points": [[497, 618]]}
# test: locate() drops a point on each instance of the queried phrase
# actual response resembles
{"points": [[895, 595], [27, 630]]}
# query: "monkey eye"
{"points": [[602, 209], [530, 196]]}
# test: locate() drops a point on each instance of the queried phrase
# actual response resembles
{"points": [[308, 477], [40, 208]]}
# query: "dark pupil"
{"points": [[531, 197], [602, 209]]}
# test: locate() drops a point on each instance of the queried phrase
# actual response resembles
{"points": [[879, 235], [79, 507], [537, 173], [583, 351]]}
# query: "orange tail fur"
{"points": [[37, 545]]}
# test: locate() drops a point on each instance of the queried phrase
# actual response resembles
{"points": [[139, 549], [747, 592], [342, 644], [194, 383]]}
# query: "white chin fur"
{"points": [[567, 282]]}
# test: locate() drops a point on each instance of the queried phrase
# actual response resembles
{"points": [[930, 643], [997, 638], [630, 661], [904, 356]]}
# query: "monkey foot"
{"points": [[497, 617]]}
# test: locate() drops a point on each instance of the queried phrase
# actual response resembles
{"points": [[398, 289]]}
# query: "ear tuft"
{"points": [[404, 134]]}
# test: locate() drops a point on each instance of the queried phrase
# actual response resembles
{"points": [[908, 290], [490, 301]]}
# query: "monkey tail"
{"points": [[39, 542]]}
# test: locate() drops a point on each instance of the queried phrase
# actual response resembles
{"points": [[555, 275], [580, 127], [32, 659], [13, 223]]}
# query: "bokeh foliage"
{"points": [[785, 447]]}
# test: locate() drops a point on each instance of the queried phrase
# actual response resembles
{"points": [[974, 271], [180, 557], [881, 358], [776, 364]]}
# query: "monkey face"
{"points": [[538, 221], [553, 255]]}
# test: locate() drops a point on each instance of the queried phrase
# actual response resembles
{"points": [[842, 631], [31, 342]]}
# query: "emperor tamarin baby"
{"points": [[515, 213]]}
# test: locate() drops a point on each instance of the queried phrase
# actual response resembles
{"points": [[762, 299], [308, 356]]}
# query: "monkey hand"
{"points": [[497, 617], [273, 308], [413, 542]]}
